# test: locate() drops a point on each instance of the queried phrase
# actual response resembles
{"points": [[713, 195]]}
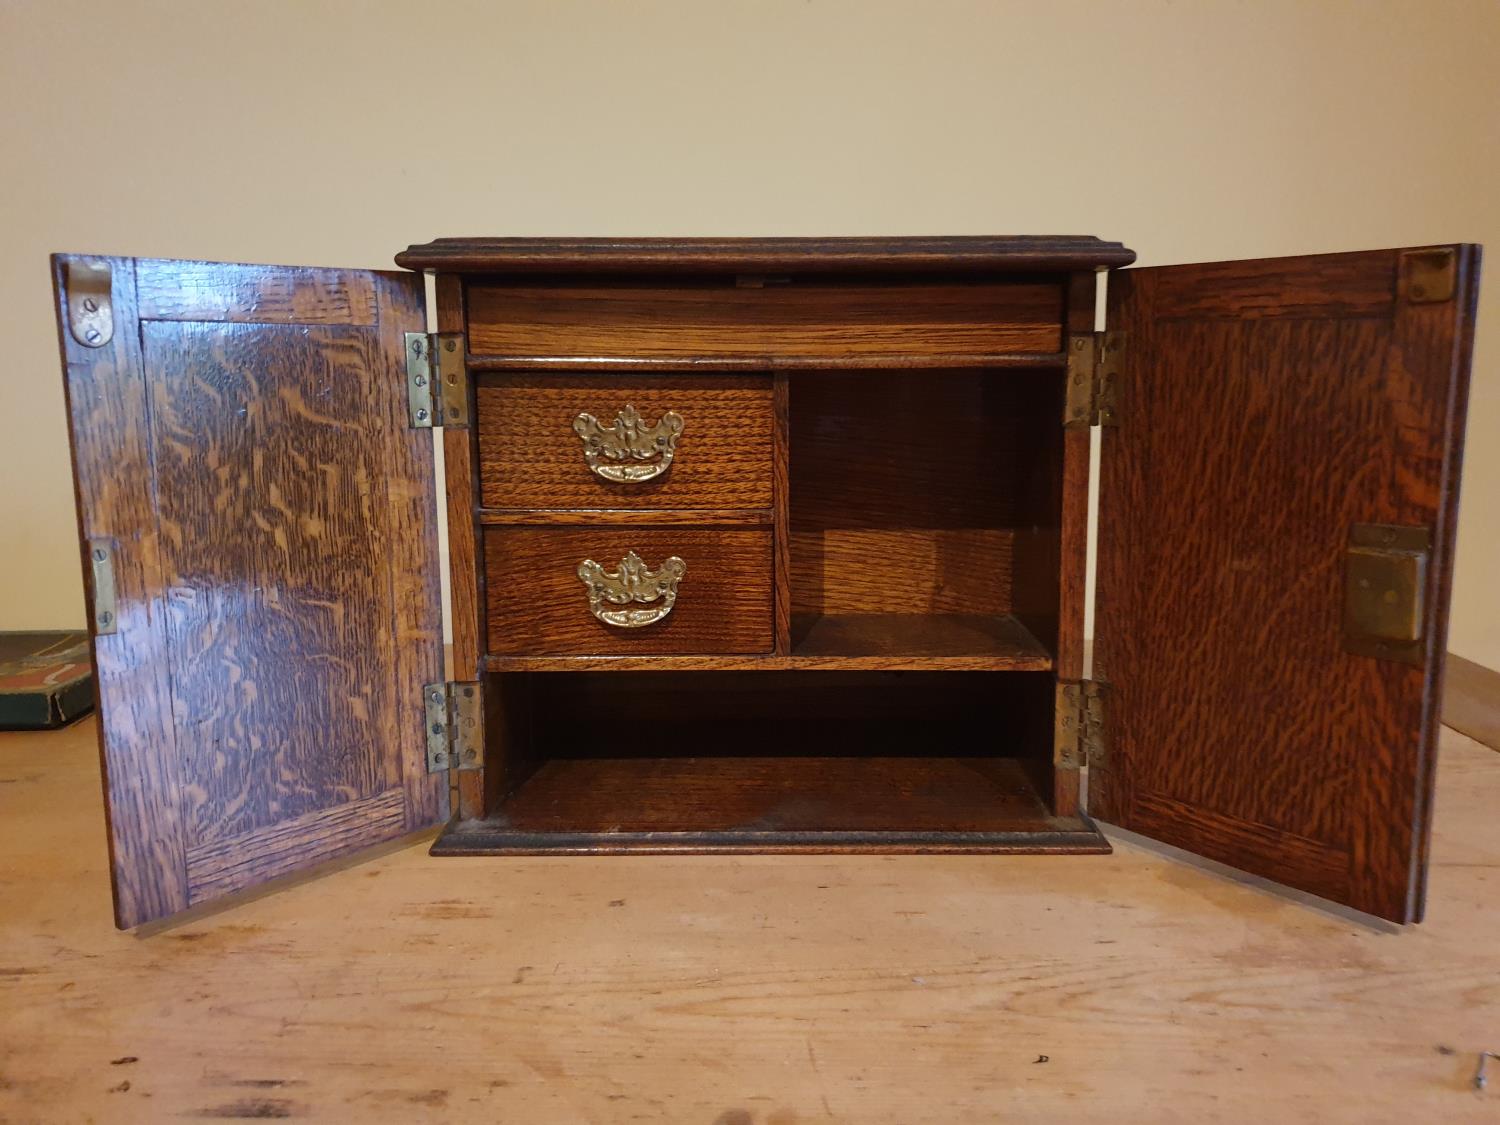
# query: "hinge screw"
{"points": [[421, 415]]}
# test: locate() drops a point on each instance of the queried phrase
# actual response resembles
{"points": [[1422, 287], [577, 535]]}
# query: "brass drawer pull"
{"points": [[610, 450], [631, 583]]}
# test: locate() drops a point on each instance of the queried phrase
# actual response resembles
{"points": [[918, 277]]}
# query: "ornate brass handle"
{"points": [[609, 450], [631, 583]]}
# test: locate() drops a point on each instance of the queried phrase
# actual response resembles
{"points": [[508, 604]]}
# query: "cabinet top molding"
{"points": [[827, 255]]}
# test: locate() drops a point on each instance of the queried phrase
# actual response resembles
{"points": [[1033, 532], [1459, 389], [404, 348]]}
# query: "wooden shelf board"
{"points": [[774, 803], [653, 517], [1001, 641], [876, 362], [884, 642]]}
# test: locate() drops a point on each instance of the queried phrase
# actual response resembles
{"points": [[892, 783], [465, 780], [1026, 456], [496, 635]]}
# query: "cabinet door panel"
{"points": [[241, 445], [1265, 409]]}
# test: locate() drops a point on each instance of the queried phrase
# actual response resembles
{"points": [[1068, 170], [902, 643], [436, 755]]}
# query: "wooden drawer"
{"points": [[531, 456], [538, 605], [805, 319]]}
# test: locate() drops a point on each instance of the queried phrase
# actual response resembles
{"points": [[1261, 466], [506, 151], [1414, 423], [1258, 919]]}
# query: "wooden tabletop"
{"points": [[749, 991]]}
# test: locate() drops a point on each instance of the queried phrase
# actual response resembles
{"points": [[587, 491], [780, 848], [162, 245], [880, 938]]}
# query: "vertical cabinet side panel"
{"points": [[1073, 554], [465, 572], [417, 586]]}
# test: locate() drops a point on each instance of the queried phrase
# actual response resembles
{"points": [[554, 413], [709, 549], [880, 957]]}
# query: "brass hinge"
{"points": [[437, 381], [1093, 362], [1080, 735], [455, 725]]}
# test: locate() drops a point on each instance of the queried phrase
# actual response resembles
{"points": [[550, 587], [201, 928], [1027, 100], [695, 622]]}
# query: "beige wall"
{"points": [[334, 134]]}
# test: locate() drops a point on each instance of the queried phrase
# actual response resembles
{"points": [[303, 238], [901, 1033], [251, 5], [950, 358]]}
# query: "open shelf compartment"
{"points": [[770, 761], [924, 515]]}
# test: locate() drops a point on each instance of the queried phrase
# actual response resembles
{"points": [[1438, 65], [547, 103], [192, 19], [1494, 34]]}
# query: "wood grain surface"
{"points": [[803, 319], [635, 517], [1265, 408], [531, 457], [465, 551], [997, 640], [275, 539], [777, 793], [781, 532], [747, 990], [1070, 580], [538, 606], [752, 255], [871, 643], [251, 294], [906, 492], [827, 361], [865, 761]]}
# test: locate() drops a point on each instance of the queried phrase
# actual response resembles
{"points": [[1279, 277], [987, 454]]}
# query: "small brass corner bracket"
{"points": [[1429, 276]]}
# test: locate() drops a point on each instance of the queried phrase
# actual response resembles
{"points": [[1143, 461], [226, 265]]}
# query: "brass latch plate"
{"points": [[1385, 591], [102, 580], [455, 725], [437, 382]]}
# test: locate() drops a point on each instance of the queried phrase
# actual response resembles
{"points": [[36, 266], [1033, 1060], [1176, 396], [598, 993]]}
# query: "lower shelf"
{"points": [[847, 642], [774, 804]]}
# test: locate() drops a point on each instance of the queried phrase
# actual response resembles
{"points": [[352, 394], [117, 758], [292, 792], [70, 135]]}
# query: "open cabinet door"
{"points": [[1277, 504], [259, 534]]}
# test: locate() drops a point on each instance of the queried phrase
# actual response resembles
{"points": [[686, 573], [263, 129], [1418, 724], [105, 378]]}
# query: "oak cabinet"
{"points": [[768, 545]]}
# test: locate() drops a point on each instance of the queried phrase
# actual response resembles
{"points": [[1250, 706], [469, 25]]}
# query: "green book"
{"points": [[46, 679]]}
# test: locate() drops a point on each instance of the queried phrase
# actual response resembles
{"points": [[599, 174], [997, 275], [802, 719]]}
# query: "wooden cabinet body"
{"points": [[769, 545]]}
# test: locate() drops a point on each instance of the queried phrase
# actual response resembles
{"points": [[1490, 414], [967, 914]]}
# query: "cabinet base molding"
{"points": [[1074, 836]]}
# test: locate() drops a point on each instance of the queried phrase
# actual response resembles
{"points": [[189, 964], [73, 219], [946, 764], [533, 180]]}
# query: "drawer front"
{"points": [[537, 604], [717, 455], [804, 319]]}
